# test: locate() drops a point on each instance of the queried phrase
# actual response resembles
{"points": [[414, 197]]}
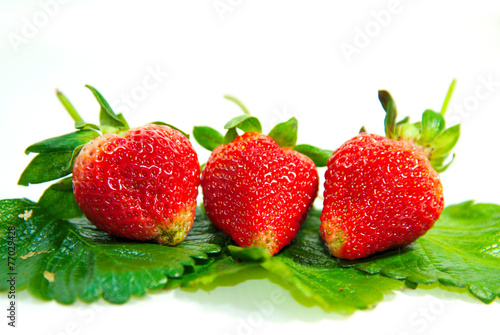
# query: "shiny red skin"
{"points": [[258, 193], [141, 185], [380, 194]]}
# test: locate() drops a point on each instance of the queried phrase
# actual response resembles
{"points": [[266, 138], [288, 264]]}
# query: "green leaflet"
{"points": [[409, 131], [110, 122], [64, 260], [462, 250], [231, 134], [208, 137], [86, 125], [432, 125], [319, 156], [48, 166], [285, 133], [161, 123], [402, 122], [55, 157], [67, 142], [444, 142], [58, 200], [244, 122]]}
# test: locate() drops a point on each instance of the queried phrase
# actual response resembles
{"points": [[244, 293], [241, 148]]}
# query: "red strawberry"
{"points": [[379, 194], [383, 193], [255, 191], [142, 185]]}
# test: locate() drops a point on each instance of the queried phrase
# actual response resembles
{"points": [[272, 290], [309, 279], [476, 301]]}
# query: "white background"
{"points": [[322, 61]]}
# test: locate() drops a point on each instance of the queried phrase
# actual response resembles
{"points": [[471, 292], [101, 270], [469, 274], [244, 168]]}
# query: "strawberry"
{"points": [[383, 193], [141, 185], [138, 183], [256, 188]]}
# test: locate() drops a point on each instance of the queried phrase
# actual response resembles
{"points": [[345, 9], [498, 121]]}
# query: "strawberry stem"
{"points": [[238, 102], [69, 107], [448, 97]]}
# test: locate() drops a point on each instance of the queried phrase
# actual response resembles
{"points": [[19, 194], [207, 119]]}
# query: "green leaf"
{"points": [[64, 142], [391, 113], [107, 118], [207, 137], [316, 279], [462, 250], [244, 122], [65, 260], [46, 167], [230, 135], [59, 201], [432, 125], [285, 133], [319, 156]]}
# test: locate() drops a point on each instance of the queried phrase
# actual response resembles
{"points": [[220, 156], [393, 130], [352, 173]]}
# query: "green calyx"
{"points": [[284, 133], [56, 155], [430, 133]]}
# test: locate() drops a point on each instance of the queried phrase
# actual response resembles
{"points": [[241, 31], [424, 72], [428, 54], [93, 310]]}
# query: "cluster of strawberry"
{"points": [[380, 193]]}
